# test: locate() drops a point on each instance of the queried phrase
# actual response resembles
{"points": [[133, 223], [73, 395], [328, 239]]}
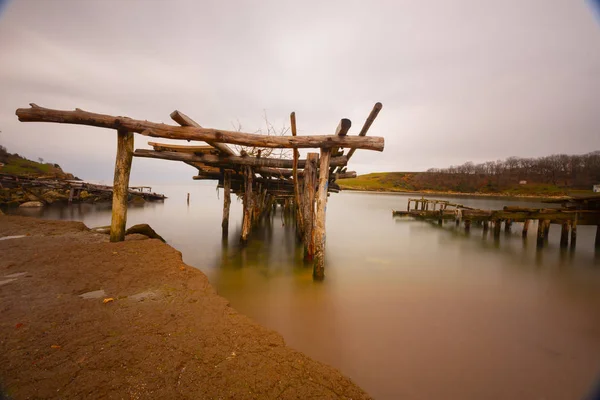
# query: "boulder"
{"points": [[137, 201], [32, 204], [144, 229], [53, 196]]}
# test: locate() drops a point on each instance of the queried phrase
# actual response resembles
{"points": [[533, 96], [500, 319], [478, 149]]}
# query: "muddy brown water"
{"points": [[408, 309]]}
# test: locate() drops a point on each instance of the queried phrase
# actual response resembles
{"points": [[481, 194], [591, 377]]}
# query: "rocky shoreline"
{"points": [[85, 318]]}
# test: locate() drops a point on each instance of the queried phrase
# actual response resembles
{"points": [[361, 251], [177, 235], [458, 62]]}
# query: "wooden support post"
{"points": [[319, 229], [564, 234], [308, 204], [486, 226], [540, 233], [299, 219], [525, 227], [497, 228], [247, 203], [408, 206], [546, 229], [574, 232], [71, 193], [226, 203], [597, 240], [121, 185], [507, 225], [188, 199], [467, 225]]}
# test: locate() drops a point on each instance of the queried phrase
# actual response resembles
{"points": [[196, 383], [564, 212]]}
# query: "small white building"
{"points": [[596, 188]]}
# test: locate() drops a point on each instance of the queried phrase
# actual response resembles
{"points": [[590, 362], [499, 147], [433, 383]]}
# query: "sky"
{"points": [[462, 80]]}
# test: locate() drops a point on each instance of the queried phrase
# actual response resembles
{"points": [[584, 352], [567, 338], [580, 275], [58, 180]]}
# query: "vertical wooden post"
{"points": [[574, 232], [319, 229], [525, 227], [247, 203], [308, 204], [467, 225], [226, 203], [546, 229], [486, 225], [188, 199], [507, 225], [121, 185], [71, 193], [597, 241], [408, 206], [540, 233], [564, 234], [497, 228]]}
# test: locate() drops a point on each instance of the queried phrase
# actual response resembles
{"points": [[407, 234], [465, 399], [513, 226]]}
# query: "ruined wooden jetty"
{"points": [[573, 211], [261, 182], [75, 187]]}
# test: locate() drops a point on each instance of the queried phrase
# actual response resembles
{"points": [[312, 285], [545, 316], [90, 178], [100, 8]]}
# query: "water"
{"points": [[408, 309]]}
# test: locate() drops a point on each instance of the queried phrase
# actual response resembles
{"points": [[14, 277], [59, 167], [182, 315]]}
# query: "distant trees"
{"points": [[576, 171]]}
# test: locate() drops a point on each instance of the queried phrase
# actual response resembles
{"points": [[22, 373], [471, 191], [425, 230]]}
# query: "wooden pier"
{"points": [[573, 211], [262, 182]]}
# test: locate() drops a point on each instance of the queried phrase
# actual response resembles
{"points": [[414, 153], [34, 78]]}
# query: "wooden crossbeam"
{"points": [[184, 120], [224, 161], [80, 117], [182, 148]]}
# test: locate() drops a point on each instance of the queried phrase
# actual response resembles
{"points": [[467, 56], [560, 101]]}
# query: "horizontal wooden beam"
{"points": [[223, 160], [182, 148], [80, 117]]}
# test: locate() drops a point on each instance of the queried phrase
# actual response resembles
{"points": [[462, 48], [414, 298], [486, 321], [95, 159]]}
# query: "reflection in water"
{"points": [[409, 309]]}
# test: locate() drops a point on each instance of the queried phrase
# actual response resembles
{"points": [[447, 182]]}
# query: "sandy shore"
{"points": [[165, 334]]}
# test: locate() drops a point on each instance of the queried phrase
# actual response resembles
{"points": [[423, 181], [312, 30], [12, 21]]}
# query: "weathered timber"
{"points": [[546, 229], [182, 148], [467, 225], [121, 185], [308, 204], [540, 233], [574, 230], [486, 226], [226, 204], [225, 161], [597, 240], [80, 117], [525, 227], [342, 130], [184, 120], [368, 122], [564, 234], [247, 205], [319, 228], [299, 220], [507, 225], [497, 227]]}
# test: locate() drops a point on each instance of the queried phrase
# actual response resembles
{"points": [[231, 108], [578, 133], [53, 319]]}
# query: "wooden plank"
{"points": [[299, 220], [225, 161], [226, 204], [120, 185], [80, 117], [247, 205], [184, 120], [182, 148], [319, 228], [308, 204], [368, 122]]}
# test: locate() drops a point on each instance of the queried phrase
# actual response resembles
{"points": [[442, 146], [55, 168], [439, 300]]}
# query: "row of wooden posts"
{"points": [[260, 181], [574, 212]]}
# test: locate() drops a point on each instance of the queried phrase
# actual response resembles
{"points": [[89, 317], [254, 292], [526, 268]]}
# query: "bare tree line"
{"points": [[557, 169]]}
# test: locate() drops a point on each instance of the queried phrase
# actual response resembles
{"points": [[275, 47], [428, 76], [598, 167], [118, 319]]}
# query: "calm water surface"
{"points": [[408, 309]]}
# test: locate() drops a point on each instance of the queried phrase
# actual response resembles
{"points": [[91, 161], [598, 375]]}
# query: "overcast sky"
{"points": [[463, 80]]}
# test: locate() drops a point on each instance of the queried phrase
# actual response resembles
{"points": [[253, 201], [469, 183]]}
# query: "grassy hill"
{"points": [[427, 182], [14, 164]]}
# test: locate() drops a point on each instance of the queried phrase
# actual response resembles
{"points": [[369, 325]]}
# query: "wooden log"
{"points": [[564, 235], [80, 117], [227, 161], [486, 226], [226, 204], [319, 229], [247, 205], [342, 130], [184, 120], [507, 225], [467, 225], [546, 229], [368, 122], [308, 204], [525, 227], [299, 220], [121, 185], [597, 240], [497, 227], [183, 148], [540, 233], [71, 193], [574, 231]]}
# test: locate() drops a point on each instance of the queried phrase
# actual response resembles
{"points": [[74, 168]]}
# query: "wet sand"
{"points": [[165, 334]]}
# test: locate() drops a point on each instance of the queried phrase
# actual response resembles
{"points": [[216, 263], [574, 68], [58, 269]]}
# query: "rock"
{"points": [[137, 201], [52, 196], [101, 229], [32, 204], [145, 229]]}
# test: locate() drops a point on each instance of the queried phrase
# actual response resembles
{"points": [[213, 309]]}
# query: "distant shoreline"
{"points": [[457, 194]]}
